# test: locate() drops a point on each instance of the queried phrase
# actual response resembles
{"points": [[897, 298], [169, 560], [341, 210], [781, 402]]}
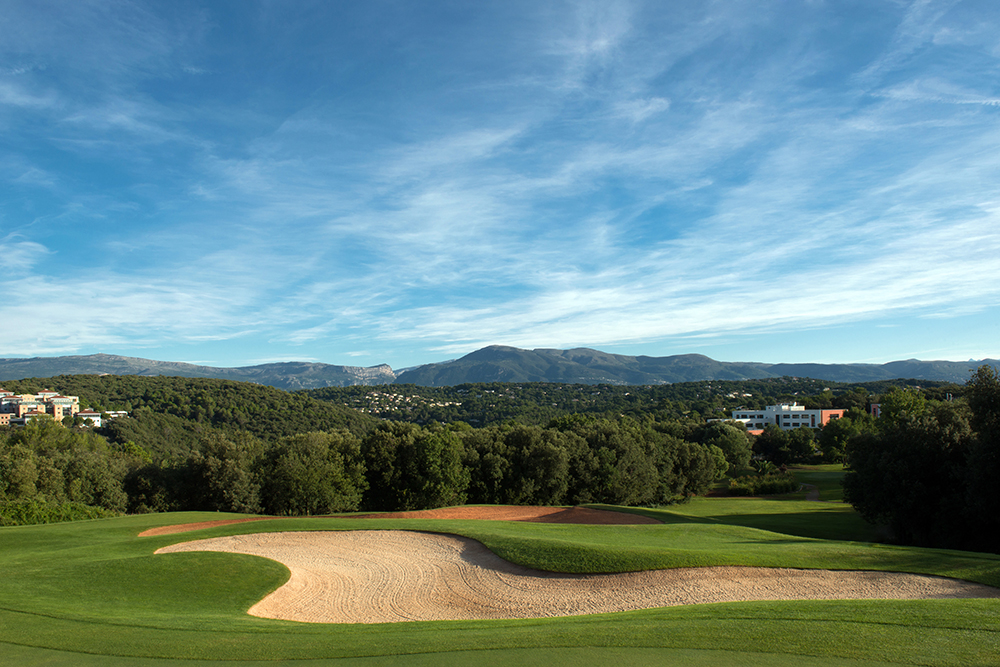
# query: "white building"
{"points": [[94, 417], [785, 416]]}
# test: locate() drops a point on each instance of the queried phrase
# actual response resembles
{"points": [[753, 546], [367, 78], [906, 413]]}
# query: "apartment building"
{"points": [[20, 408]]}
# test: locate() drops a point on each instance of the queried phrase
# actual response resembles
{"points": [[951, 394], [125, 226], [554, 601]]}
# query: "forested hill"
{"points": [[174, 412], [537, 403]]}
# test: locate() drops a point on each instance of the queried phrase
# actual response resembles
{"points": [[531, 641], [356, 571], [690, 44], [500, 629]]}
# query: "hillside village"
{"points": [[19, 409]]}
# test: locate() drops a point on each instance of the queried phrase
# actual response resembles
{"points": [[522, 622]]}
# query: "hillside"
{"points": [[537, 403], [180, 408]]}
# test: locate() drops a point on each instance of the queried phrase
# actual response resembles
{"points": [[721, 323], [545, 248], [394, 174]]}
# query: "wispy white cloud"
{"points": [[17, 96], [112, 311], [35, 176], [639, 110], [936, 90], [919, 25], [19, 256], [631, 175]]}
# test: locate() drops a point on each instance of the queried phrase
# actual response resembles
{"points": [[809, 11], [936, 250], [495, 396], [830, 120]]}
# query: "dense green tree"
{"points": [[773, 444], [380, 451], [313, 473], [981, 497], [834, 436], [485, 457], [854, 399], [802, 446], [539, 466], [432, 474], [618, 464], [694, 470], [58, 464], [18, 472], [911, 477], [413, 468], [730, 437], [224, 471], [721, 464], [158, 488], [898, 405]]}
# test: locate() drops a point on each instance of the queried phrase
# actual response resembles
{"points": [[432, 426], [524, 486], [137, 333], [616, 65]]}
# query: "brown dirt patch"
{"points": [[582, 515], [185, 527], [392, 576]]}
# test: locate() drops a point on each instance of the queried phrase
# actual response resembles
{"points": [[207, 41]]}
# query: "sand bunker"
{"points": [[392, 576]]}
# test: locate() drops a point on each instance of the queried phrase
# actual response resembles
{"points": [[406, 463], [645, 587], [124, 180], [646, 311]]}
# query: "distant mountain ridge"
{"points": [[498, 363], [290, 375]]}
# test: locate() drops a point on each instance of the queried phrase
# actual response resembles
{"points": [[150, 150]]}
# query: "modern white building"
{"points": [[785, 416], [94, 417]]}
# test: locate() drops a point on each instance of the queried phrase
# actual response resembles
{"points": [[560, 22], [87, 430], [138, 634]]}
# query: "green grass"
{"points": [[92, 593], [782, 514], [827, 478]]}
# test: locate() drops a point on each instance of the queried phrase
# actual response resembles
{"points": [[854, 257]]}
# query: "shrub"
{"points": [[33, 511], [766, 485]]}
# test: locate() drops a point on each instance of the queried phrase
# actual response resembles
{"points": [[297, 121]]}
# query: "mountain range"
{"points": [[498, 363]]}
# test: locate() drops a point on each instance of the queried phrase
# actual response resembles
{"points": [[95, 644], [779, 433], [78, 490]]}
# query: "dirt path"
{"points": [[583, 515], [391, 576], [186, 527], [812, 492]]}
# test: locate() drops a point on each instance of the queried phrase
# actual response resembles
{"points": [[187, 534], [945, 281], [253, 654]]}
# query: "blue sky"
{"points": [[405, 182]]}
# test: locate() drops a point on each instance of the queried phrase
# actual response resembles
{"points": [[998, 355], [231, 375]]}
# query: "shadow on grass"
{"points": [[827, 522], [832, 526]]}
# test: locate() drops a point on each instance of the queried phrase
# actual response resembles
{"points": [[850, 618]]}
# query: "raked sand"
{"points": [[386, 576]]}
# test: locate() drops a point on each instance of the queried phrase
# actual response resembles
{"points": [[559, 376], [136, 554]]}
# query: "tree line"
{"points": [[394, 466]]}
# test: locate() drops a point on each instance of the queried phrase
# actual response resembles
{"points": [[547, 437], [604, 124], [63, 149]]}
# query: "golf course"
{"points": [[97, 593]]}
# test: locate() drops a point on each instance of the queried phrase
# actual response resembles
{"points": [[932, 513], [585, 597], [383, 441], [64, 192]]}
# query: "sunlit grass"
{"points": [[75, 594]]}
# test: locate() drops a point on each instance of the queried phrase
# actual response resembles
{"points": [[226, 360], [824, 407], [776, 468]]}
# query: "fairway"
{"points": [[94, 593]]}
